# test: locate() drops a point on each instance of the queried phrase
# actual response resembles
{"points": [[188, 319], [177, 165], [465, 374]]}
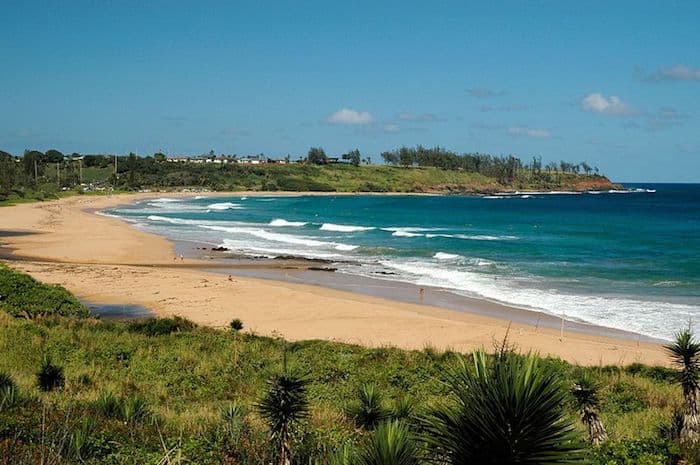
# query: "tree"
{"points": [[317, 156], [504, 410], [131, 166], [7, 173], [353, 157], [159, 157], [53, 156], [585, 391], [685, 352], [284, 405], [31, 165]]}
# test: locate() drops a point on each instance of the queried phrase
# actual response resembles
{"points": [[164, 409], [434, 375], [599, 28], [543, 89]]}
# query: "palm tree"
{"points": [[390, 444], [685, 351], [585, 391], [284, 404], [505, 410]]}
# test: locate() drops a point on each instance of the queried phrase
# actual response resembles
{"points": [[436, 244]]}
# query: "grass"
{"points": [[159, 390]]}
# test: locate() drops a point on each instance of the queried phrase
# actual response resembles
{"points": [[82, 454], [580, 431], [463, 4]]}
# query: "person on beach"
{"points": [[421, 294]]}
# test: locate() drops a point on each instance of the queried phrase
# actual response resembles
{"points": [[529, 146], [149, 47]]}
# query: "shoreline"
{"points": [[119, 264]]}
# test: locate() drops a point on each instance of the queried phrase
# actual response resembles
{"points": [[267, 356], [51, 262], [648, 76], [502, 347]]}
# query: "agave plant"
{"points": [[390, 444], [50, 376], [504, 410], [284, 404], [685, 351], [585, 391], [369, 409]]}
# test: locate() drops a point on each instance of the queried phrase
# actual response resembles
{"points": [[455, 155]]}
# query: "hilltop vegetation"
{"points": [[165, 391], [38, 175]]}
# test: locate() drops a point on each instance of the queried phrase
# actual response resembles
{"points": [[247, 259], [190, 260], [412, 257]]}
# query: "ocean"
{"points": [[624, 259]]}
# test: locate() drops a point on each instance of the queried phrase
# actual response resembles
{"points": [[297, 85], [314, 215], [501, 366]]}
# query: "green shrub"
{"points": [[236, 324], [161, 326], [23, 296], [635, 452]]}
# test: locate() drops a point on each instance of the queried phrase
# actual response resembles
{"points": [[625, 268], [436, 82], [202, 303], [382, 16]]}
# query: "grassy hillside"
{"points": [[140, 392], [348, 178]]}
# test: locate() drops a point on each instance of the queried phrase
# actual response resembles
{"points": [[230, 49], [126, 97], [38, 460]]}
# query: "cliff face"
{"points": [[598, 183]]}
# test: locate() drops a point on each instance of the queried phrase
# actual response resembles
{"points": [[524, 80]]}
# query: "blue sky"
{"points": [[614, 83]]}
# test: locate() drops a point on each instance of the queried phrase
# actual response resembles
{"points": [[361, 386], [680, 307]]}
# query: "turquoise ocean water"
{"points": [[628, 260]]}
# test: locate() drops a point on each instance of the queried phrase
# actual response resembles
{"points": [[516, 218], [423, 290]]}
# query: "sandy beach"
{"points": [[104, 260]]}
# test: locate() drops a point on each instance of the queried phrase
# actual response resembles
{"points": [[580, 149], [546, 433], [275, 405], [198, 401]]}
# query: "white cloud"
{"points": [[678, 73], [598, 103], [537, 133], [348, 116], [391, 127]]}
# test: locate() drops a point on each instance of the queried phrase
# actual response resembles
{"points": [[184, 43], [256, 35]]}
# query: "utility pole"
{"points": [[80, 167], [58, 174]]}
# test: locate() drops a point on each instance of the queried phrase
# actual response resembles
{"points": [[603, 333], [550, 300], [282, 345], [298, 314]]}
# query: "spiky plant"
{"points": [[283, 405], [585, 391], [6, 381], [50, 376], [504, 410], [404, 408], [369, 409], [390, 444], [109, 405], [135, 410], [685, 352]]}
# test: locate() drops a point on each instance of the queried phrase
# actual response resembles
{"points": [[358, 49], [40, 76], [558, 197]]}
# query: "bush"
{"points": [[236, 324], [50, 376], [23, 296], [635, 452], [161, 326]]}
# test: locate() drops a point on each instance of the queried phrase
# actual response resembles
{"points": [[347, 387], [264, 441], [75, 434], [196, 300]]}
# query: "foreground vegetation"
{"points": [[80, 390], [39, 176]]}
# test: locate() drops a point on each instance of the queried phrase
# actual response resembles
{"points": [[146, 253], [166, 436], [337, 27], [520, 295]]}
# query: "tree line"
{"points": [[504, 168]]}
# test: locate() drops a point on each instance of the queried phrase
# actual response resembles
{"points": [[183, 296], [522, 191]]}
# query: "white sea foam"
{"points": [[344, 228], [166, 200], [225, 206], [446, 256], [272, 252], [608, 311], [200, 197], [278, 237], [406, 234], [484, 237], [279, 222], [345, 247]]}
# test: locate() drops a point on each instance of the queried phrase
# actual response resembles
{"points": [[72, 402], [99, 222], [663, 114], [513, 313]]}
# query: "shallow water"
{"points": [[626, 260]]}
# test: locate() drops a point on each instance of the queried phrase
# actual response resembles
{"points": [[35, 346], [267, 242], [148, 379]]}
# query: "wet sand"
{"points": [[108, 262]]}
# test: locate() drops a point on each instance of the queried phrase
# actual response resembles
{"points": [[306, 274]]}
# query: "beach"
{"points": [[104, 260]]}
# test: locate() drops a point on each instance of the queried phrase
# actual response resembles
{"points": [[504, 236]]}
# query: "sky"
{"points": [[616, 84]]}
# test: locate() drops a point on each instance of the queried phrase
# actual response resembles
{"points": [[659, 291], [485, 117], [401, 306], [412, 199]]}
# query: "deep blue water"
{"points": [[625, 260]]}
